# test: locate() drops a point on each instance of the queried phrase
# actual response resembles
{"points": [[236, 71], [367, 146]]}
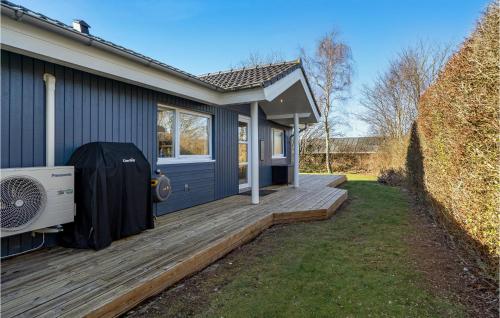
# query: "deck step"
{"points": [[61, 282]]}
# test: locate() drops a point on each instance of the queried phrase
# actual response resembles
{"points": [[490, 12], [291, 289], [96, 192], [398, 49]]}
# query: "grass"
{"points": [[354, 265]]}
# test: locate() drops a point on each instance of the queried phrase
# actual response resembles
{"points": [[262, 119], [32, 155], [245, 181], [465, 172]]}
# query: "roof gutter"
{"points": [[20, 15], [40, 21]]}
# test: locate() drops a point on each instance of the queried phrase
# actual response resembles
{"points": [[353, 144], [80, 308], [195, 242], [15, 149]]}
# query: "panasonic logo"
{"points": [[128, 160], [61, 175]]}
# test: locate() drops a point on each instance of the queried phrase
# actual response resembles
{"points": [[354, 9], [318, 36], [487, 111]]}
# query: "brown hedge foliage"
{"points": [[453, 154], [340, 162], [391, 156]]}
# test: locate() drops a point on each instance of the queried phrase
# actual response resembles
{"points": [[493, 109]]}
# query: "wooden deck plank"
{"points": [[73, 283], [116, 264], [198, 229], [100, 257]]}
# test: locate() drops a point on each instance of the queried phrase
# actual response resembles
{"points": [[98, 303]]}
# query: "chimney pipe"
{"points": [[81, 26]]}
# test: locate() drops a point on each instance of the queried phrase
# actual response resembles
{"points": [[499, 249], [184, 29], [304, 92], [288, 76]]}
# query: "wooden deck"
{"points": [[72, 283]]}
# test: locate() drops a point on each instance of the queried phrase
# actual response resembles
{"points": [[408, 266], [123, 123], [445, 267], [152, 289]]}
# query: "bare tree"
{"points": [[309, 138], [330, 70], [391, 103], [255, 58], [312, 139]]}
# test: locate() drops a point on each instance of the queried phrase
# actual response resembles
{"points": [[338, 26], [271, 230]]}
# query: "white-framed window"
{"points": [[183, 136], [278, 142], [244, 152]]}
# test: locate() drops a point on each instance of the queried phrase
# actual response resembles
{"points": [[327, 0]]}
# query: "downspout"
{"points": [[50, 122], [50, 128]]}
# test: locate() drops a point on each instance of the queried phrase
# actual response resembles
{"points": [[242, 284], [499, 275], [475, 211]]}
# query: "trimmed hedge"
{"points": [[353, 163], [453, 154]]}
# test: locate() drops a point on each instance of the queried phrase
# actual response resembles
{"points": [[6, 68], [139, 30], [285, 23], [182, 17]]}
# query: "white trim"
{"points": [[174, 161], [288, 116], [178, 158], [280, 155], [241, 190], [34, 41], [246, 120], [39, 39], [245, 96]]}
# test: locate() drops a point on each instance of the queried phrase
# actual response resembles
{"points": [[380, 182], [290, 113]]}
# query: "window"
{"points": [[183, 136], [194, 135], [278, 142], [243, 152], [165, 129]]}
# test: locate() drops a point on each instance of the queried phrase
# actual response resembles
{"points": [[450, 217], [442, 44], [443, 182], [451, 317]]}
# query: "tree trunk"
{"points": [[327, 148]]}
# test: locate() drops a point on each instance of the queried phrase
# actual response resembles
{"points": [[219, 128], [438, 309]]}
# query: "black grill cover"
{"points": [[112, 194]]}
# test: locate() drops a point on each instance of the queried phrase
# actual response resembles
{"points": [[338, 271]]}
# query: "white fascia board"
{"points": [[245, 96], [288, 116], [277, 88], [26, 39]]}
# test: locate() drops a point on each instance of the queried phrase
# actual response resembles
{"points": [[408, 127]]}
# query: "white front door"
{"points": [[244, 151]]}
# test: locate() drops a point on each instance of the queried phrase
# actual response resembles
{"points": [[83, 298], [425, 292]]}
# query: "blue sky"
{"points": [[204, 36]]}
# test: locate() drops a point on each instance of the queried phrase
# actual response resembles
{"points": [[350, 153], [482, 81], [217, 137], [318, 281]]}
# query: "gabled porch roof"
{"points": [[281, 89]]}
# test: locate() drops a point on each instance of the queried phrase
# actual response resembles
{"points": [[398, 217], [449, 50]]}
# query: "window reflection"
{"points": [[242, 131], [165, 129], [193, 130], [243, 174], [243, 153], [278, 142]]}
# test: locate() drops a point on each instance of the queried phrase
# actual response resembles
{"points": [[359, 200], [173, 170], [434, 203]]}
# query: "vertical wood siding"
{"points": [[93, 108], [88, 108], [226, 170], [192, 184]]}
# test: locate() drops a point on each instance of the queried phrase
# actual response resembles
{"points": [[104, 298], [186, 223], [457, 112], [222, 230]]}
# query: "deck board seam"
{"points": [[218, 226]]}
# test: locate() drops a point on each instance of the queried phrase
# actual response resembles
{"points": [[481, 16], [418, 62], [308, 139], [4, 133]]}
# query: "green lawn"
{"points": [[358, 264], [355, 265]]}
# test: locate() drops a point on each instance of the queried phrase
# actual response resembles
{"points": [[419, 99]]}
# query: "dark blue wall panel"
{"points": [[192, 184], [226, 170], [93, 108]]}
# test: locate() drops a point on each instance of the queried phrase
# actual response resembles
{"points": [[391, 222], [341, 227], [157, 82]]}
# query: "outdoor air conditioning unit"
{"points": [[35, 198]]}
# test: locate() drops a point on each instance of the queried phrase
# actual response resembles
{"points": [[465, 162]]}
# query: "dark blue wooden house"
{"points": [[213, 135]]}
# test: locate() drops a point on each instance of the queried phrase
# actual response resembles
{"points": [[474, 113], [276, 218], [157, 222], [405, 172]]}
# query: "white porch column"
{"points": [[254, 160], [296, 150]]}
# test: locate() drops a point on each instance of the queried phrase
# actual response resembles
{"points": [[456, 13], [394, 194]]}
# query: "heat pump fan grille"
{"points": [[23, 199]]}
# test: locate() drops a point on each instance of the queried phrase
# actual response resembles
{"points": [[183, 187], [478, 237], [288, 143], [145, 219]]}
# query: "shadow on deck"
{"points": [[72, 283]]}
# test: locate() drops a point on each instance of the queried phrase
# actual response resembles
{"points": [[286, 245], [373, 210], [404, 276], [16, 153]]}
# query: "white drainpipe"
{"points": [[254, 162], [296, 150], [50, 122]]}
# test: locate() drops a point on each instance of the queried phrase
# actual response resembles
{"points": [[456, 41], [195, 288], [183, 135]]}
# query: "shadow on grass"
{"points": [[354, 265], [425, 199]]}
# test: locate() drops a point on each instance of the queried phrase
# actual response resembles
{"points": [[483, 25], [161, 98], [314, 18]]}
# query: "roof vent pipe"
{"points": [[81, 26]]}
